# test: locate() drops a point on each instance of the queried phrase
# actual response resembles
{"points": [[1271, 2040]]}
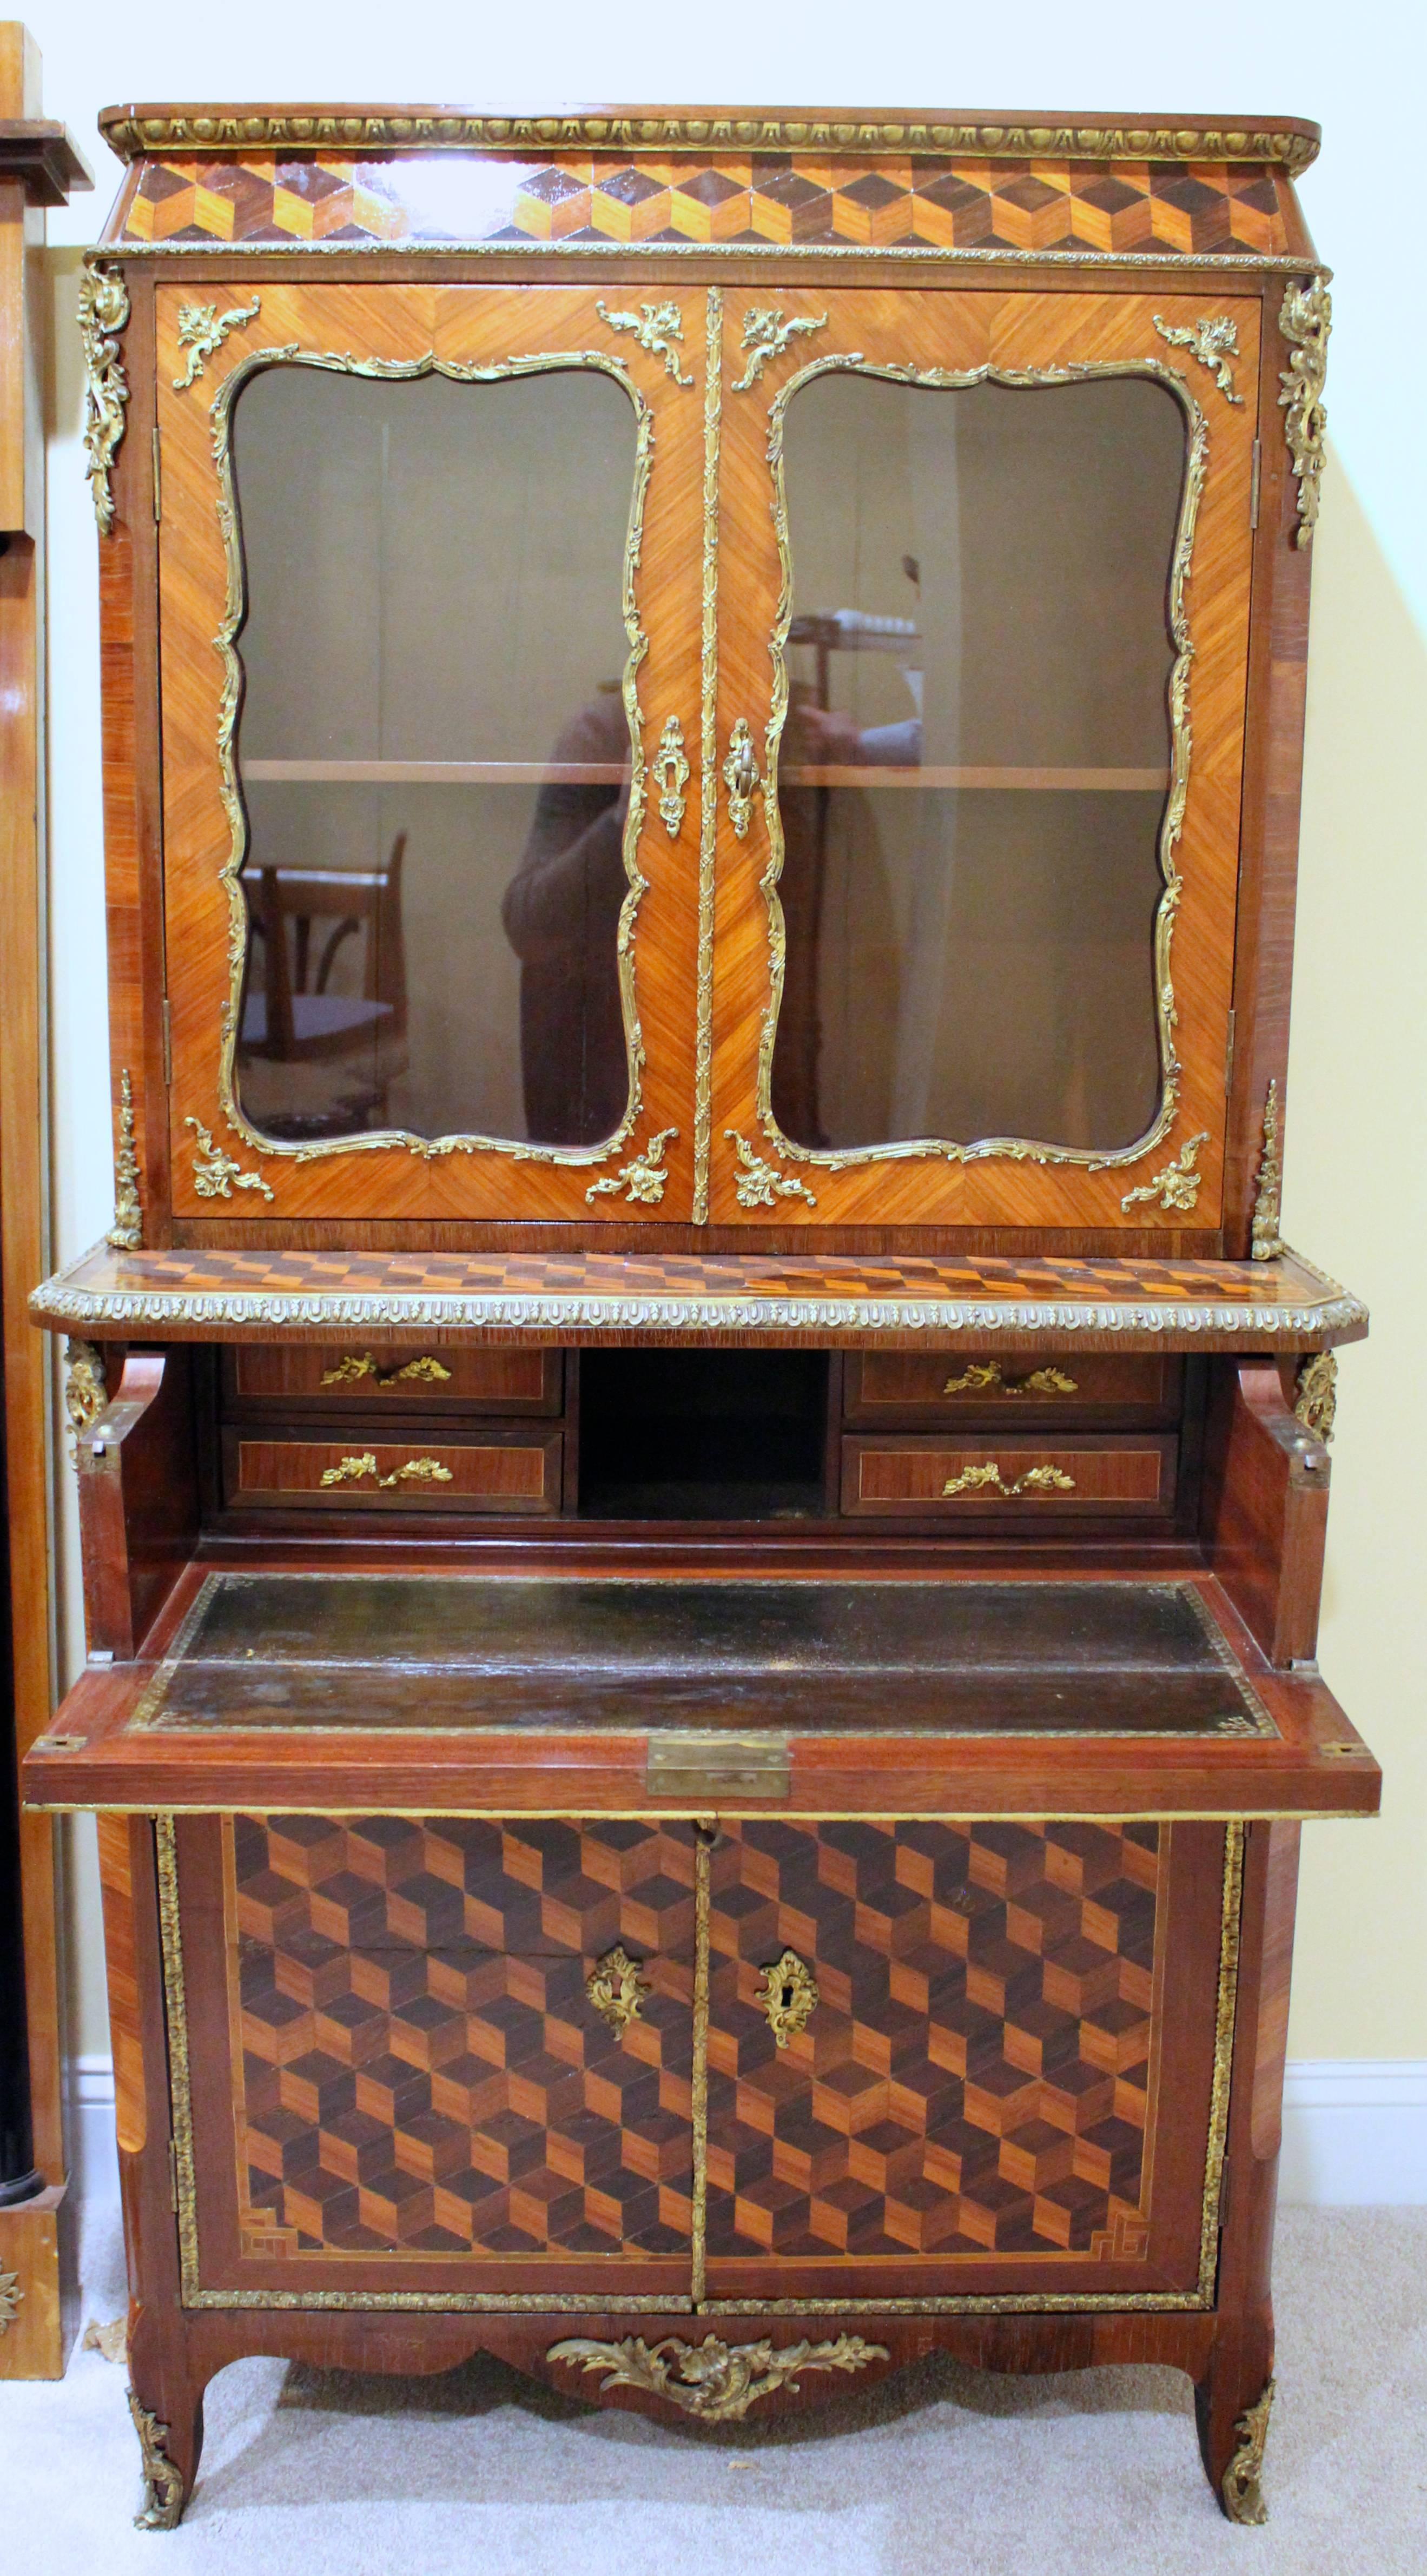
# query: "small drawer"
{"points": [[896, 1387], [291, 1376], [502, 1471], [1014, 1480]]}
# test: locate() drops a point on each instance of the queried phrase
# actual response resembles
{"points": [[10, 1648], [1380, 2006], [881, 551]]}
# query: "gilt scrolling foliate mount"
{"points": [[766, 335], [355, 1365], [103, 313], [127, 1231], [656, 327], [989, 1479], [415, 1471], [202, 329], [1176, 1188], [1241, 2490], [1213, 340], [985, 1377], [1306, 318], [715, 2381], [643, 1179]]}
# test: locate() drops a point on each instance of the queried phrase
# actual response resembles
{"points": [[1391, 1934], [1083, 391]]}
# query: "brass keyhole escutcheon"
{"points": [[789, 1997], [616, 1988]]}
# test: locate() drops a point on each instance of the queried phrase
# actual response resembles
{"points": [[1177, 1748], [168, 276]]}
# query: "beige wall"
{"points": [[1354, 1196]]}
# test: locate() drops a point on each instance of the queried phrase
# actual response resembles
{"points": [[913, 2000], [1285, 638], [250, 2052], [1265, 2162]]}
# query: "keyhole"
{"points": [[787, 1998]]}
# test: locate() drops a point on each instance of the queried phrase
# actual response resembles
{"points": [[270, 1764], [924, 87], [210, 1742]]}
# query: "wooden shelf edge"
{"points": [[601, 1298]]}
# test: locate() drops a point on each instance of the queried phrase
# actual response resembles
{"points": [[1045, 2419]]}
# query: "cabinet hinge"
{"points": [[1254, 486], [158, 489], [173, 2177], [167, 1020], [1228, 1050]]}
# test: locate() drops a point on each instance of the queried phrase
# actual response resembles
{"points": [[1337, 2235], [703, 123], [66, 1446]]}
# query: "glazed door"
{"points": [[430, 648], [983, 584]]}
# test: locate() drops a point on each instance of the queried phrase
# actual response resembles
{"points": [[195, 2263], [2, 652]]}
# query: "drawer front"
{"points": [[895, 1387], [272, 1374], [1025, 1480], [504, 1471]]}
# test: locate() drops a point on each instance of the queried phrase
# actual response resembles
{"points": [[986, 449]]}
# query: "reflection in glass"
{"points": [[973, 773], [433, 753]]}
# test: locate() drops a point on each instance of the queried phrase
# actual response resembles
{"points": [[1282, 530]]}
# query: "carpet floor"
{"points": [[1093, 2474]]}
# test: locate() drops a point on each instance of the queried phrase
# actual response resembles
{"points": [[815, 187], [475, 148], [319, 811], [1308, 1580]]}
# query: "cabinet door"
{"points": [[984, 587], [391, 2075], [430, 653], [1002, 2069]]}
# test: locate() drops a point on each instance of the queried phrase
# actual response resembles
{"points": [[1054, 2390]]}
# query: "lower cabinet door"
{"points": [[963, 2061], [442, 2058]]}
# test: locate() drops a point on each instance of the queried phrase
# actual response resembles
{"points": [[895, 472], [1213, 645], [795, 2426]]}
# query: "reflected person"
{"points": [[561, 914]]}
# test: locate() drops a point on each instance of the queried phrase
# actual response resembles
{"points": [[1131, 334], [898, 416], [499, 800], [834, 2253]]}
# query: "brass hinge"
{"points": [[158, 488], [686, 1765], [1228, 1053], [1254, 486], [173, 2177], [168, 1041]]}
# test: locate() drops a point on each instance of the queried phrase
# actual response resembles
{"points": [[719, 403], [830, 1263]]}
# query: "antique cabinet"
{"points": [[703, 1473]]}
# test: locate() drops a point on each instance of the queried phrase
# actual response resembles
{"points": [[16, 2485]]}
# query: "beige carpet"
{"points": [[1094, 2474]]}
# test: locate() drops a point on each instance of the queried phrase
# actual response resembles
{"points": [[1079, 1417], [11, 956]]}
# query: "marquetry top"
{"points": [[602, 1298], [929, 185]]}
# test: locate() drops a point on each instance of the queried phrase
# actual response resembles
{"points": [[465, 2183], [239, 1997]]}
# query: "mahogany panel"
{"points": [[1025, 1478], [289, 1377], [1265, 1513], [138, 1499], [504, 1472], [907, 1387]]}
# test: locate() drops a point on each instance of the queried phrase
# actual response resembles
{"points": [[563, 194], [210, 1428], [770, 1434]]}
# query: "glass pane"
{"points": [[434, 753], [974, 769]]}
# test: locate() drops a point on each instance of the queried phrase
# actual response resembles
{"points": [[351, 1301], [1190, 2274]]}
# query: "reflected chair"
{"points": [[303, 918]]}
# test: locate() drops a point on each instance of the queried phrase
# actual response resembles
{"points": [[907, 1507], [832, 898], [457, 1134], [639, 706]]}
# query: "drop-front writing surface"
{"points": [[433, 752]]}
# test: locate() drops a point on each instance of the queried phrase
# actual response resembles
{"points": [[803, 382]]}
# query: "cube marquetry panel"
{"points": [[975, 2076], [421, 2069]]}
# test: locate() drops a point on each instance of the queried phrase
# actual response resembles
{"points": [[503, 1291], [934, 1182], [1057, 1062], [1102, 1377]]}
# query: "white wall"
{"points": [[1354, 1198]]}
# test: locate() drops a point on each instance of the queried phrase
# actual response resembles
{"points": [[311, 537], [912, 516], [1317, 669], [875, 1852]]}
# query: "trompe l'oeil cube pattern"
{"points": [[1174, 208], [422, 2069], [975, 2076]]}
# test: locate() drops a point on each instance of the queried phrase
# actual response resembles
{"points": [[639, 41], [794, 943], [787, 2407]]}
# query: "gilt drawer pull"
{"points": [[422, 1372], [616, 1989], [1036, 1480], [983, 1377], [417, 1471], [789, 1997]]}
